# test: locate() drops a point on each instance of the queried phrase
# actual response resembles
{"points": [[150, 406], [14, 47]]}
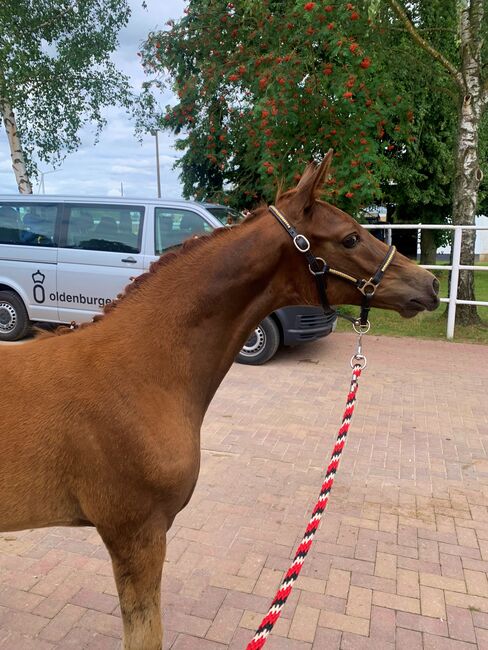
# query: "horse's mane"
{"points": [[166, 260]]}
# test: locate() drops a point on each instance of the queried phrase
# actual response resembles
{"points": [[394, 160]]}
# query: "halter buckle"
{"points": [[301, 243]]}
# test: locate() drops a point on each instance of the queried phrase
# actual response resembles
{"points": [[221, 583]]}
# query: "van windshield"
{"points": [[224, 214]]}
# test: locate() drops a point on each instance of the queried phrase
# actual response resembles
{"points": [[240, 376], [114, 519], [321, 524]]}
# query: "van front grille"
{"points": [[309, 322]]}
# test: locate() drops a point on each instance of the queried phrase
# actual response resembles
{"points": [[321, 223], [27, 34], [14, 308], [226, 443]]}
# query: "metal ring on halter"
{"points": [[359, 360], [361, 329], [298, 238], [318, 259]]}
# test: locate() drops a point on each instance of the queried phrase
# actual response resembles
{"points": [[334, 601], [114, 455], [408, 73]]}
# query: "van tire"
{"points": [[14, 322], [262, 345]]}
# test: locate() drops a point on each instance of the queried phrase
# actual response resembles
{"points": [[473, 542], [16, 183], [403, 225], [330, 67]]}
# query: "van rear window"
{"points": [[28, 224], [114, 228]]}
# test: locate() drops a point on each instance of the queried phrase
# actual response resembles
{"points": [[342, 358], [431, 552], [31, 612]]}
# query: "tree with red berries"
{"points": [[264, 87]]}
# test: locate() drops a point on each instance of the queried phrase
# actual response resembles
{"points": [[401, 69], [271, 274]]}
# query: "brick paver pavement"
{"points": [[401, 558]]}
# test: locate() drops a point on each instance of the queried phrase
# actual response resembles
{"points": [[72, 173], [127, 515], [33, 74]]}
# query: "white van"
{"points": [[63, 258]]}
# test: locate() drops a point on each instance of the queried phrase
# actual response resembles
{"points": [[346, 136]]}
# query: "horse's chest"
{"points": [[173, 470]]}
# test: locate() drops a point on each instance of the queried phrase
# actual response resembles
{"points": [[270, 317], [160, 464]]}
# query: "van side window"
{"points": [[28, 224], [105, 228], [174, 225]]}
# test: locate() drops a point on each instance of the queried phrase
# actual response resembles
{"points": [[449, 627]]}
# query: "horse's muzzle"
{"points": [[428, 301]]}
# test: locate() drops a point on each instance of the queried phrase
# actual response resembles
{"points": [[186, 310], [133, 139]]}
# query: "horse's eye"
{"points": [[351, 241]]}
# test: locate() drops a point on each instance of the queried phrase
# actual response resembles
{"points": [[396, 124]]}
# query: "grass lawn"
{"points": [[429, 324]]}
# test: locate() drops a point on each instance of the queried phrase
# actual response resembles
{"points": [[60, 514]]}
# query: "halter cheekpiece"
{"points": [[319, 268]]}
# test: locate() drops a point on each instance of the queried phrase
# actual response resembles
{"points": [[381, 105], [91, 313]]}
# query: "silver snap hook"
{"points": [[359, 360]]}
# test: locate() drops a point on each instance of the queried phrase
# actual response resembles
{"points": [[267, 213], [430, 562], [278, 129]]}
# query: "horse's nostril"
{"points": [[435, 285]]}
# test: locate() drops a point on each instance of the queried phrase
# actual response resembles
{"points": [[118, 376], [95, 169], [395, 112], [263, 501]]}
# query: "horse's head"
{"points": [[349, 248]]}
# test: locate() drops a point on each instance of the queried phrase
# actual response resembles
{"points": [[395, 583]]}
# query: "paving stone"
{"points": [[344, 623], [476, 582], [224, 624], [359, 602], [437, 643], [408, 583], [326, 638], [433, 626], [382, 626], [355, 642], [408, 640], [304, 623], [432, 602], [481, 638], [385, 565], [393, 601], [442, 582], [338, 583], [61, 624], [460, 622]]}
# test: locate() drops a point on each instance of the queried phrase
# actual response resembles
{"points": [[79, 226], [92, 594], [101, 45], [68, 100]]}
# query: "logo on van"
{"points": [[39, 293]]}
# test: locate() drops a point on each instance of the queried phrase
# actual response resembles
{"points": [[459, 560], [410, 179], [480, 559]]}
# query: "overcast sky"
{"points": [[118, 157]]}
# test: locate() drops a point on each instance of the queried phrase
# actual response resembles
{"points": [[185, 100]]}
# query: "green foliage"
{"points": [[423, 170], [56, 72], [264, 87], [483, 196], [424, 174]]}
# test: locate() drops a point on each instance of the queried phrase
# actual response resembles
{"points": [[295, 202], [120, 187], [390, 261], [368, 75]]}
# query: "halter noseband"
{"points": [[318, 267]]}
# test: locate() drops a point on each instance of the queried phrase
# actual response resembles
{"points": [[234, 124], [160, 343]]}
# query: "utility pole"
{"points": [[42, 186], [154, 132]]}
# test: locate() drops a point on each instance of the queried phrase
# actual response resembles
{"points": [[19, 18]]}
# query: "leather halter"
{"points": [[319, 268]]}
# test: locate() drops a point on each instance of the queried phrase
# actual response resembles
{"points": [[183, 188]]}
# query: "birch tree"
{"points": [[467, 76], [56, 75]]}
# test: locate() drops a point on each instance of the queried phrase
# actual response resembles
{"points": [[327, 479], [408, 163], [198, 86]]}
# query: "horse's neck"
{"points": [[186, 324]]}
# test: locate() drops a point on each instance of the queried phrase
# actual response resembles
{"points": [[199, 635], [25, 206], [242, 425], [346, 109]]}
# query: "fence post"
{"points": [[453, 287]]}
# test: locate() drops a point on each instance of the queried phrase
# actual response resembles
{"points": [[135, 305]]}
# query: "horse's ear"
{"points": [[312, 181]]}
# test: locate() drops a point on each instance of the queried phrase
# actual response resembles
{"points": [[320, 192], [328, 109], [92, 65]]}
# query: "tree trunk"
{"points": [[18, 161], [428, 247], [468, 173]]}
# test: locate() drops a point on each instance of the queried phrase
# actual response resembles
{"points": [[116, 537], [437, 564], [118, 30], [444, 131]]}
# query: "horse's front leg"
{"points": [[137, 562]]}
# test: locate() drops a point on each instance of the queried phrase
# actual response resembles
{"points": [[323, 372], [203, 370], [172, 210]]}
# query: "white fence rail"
{"points": [[456, 266]]}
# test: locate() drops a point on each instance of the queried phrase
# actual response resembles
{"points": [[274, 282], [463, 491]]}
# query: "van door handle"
{"points": [[130, 260]]}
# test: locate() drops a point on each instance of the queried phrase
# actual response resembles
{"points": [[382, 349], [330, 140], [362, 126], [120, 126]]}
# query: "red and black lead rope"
{"points": [[293, 572]]}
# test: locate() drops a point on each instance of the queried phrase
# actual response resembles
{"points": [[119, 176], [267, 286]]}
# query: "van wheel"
{"points": [[261, 346], [14, 322]]}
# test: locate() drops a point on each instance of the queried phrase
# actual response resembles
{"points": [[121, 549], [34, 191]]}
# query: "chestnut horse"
{"points": [[101, 427]]}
